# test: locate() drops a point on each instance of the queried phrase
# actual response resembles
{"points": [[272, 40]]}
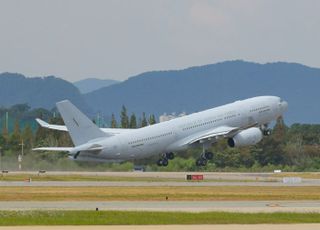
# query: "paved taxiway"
{"points": [[175, 227], [309, 182], [185, 206], [170, 175], [174, 179]]}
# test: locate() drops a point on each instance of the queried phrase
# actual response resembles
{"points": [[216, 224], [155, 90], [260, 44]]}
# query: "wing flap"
{"points": [[221, 131]]}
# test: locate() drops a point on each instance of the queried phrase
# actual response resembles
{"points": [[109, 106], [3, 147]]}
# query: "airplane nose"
{"points": [[284, 106]]}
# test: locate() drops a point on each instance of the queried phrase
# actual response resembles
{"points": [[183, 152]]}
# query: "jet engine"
{"points": [[246, 137]]}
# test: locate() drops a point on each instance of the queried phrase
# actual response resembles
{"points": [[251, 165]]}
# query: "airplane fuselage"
{"points": [[173, 135]]}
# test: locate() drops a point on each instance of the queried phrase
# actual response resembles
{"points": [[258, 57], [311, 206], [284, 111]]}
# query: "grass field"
{"points": [[146, 218], [158, 193]]}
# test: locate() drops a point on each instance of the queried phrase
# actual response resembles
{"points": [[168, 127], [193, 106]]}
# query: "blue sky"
{"points": [[76, 39]]}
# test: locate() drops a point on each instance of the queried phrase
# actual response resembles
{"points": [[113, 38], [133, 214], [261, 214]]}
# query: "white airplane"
{"points": [[242, 122]]}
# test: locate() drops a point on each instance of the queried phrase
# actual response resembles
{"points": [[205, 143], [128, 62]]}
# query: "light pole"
{"points": [[22, 144], [21, 156]]}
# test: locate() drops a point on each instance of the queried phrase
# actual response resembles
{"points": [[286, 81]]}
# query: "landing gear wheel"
{"points": [[267, 132], [165, 162], [170, 156], [201, 162], [204, 162], [208, 155], [159, 162]]}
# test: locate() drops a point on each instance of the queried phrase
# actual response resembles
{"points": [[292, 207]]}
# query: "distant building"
{"points": [[168, 117]]}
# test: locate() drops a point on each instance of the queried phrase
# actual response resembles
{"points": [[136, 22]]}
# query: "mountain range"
{"points": [[37, 92], [174, 91], [198, 88], [91, 84]]}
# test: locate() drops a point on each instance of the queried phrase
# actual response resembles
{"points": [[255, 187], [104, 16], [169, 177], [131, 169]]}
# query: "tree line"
{"points": [[23, 118], [131, 121], [293, 148]]}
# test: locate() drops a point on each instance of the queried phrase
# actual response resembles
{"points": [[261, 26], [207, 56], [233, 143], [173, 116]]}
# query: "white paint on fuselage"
{"points": [[169, 136]]}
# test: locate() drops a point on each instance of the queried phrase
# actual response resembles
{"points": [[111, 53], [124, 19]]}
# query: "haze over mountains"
{"points": [[91, 84], [188, 90]]}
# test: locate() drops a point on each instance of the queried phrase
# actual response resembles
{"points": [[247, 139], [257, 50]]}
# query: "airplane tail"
{"points": [[80, 127]]}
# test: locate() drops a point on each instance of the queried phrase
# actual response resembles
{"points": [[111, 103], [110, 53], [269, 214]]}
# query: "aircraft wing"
{"points": [[49, 126], [222, 131]]}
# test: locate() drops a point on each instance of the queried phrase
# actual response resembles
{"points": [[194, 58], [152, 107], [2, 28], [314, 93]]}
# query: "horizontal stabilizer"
{"points": [[50, 126], [57, 149], [92, 148]]}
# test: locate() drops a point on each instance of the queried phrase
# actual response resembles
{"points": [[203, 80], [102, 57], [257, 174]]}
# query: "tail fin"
{"points": [[80, 127]]}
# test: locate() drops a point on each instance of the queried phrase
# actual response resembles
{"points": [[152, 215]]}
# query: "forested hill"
{"points": [[175, 91], [91, 84], [37, 92], [203, 87]]}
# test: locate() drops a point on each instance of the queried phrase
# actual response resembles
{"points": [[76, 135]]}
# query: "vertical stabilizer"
{"points": [[80, 127]]}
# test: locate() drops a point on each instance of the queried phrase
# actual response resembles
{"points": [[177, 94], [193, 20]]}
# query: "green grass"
{"points": [[149, 218]]}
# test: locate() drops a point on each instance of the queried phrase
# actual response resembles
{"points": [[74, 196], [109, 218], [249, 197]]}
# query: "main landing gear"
{"points": [[203, 159], [164, 160], [266, 132]]}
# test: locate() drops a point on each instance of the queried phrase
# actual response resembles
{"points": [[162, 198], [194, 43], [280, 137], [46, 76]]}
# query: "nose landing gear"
{"points": [[267, 132]]}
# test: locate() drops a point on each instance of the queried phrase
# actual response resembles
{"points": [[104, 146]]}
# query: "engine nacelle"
{"points": [[246, 137]]}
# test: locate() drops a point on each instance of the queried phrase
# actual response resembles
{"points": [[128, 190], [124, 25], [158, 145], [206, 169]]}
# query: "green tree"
{"points": [[27, 136], [5, 132], [124, 118], [15, 137], [133, 121], [269, 151], [19, 109], [279, 130], [144, 121], [113, 122], [152, 119], [3, 142]]}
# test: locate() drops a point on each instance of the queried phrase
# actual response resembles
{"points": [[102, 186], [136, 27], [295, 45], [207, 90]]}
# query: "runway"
{"points": [[150, 179], [175, 179], [254, 176], [309, 182], [182, 206]]}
